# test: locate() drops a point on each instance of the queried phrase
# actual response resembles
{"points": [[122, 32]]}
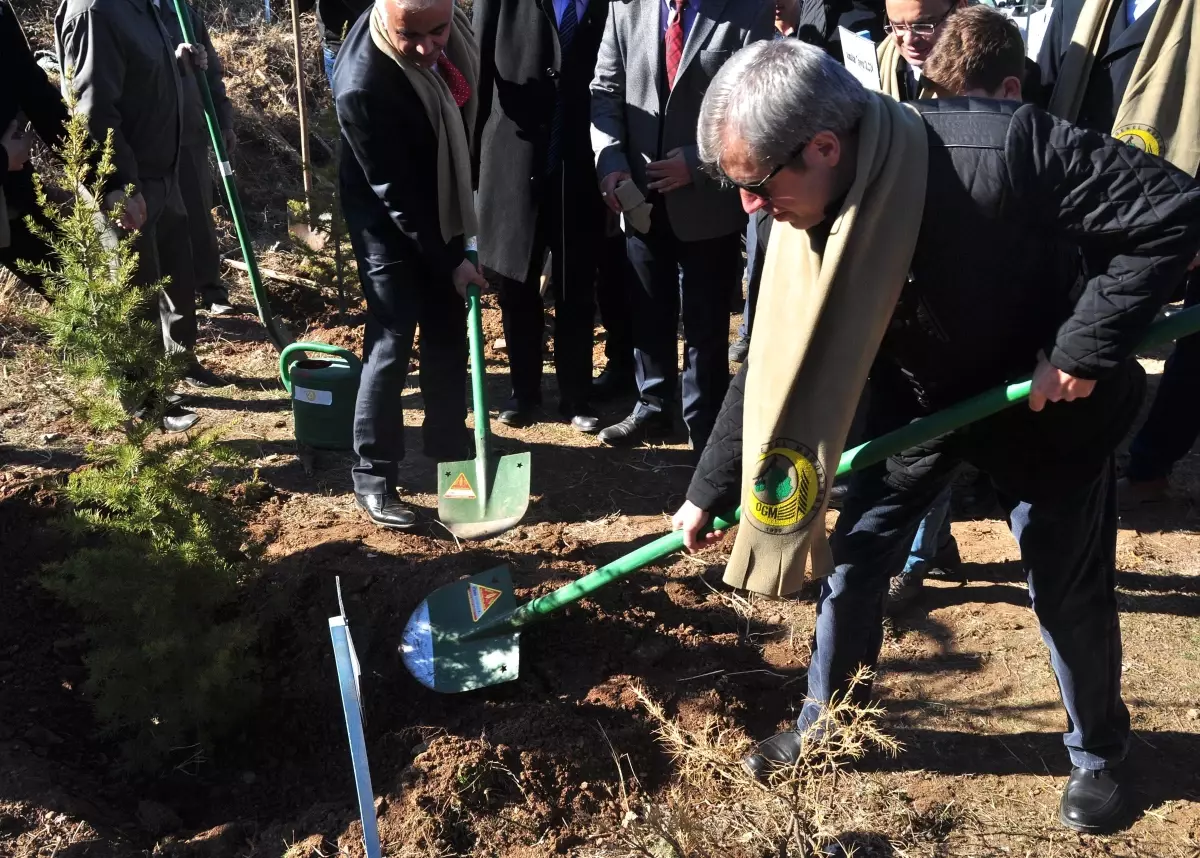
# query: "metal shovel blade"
{"points": [[479, 500], [433, 647]]}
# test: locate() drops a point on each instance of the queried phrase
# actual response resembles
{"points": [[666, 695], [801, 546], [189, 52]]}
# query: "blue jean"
{"points": [[933, 535], [329, 56], [1173, 424], [1068, 551], [755, 257]]}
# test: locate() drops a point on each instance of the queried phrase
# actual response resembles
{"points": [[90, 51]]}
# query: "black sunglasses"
{"points": [[759, 188]]}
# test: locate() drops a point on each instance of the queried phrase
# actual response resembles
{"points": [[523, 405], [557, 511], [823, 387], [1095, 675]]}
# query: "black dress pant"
{"points": [[614, 276], [24, 246], [573, 239], [164, 247], [692, 277], [402, 296]]}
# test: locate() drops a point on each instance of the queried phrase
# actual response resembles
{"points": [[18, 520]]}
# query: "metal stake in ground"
{"points": [[449, 646], [480, 498]]}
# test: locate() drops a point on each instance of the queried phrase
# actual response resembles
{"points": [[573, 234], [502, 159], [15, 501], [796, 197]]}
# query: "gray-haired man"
{"points": [[781, 121]]}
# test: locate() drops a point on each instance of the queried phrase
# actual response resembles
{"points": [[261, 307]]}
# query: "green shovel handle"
{"points": [[920, 431], [285, 365], [478, 367], [278, 338]]}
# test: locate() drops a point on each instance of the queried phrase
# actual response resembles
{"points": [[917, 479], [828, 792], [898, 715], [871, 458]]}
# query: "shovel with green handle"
{"points": [[485, 496], [277, 333], [466, 635]]}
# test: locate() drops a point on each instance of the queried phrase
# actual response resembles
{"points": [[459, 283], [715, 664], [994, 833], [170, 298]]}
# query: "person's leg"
{"points": [[933, 535], [522, 313], [743, 331], [443, 327], [25, 247], [612, 294], [654, 300], [195, 188], [392, 311], [1173, 424], [1068, 549], [177, 302], [573, 233], [708, 268], [329, 56]]}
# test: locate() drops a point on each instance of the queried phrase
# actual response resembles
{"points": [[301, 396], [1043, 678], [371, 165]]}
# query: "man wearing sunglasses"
{"points": [[790, 127], [913, 27]]}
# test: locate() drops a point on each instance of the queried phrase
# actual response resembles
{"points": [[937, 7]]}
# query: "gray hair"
{"points": [[774, 96]]}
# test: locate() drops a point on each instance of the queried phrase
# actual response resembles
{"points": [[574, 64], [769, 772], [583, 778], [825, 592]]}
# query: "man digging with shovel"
{"points": [[945, 236]]}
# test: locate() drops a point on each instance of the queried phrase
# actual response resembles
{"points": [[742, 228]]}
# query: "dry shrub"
{"points": [[716, 809]]}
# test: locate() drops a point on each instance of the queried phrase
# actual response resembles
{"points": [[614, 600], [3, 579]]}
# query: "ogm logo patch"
{"points": [[481, 598], [1141, 137], [787, 489]]}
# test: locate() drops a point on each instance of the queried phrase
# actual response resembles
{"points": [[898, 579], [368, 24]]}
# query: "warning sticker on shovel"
{"points": [[481, 598], [460, 489]]}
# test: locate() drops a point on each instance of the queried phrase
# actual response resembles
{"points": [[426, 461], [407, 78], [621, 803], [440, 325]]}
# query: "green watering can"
{"points": [[323, 394]]}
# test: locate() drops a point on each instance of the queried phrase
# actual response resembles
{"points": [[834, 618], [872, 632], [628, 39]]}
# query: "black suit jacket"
{"points": [[1111, 69], [388, 169], [820, 19], [24, 89], [522, 70]]}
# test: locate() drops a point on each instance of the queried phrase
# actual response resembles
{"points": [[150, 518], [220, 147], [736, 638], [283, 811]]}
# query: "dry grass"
{"points": [[715, 809]]}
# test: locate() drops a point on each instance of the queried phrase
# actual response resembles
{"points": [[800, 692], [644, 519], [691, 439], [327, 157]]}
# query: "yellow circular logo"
{"points": [[311, 396], [787, 488], [1140, 137]]}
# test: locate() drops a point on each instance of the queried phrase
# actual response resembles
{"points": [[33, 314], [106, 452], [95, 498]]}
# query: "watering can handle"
{"points": [[285, 365]]}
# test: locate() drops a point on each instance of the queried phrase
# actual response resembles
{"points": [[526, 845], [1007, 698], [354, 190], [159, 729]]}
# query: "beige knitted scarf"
{"points": [[891, 70], [454, 127], [820, 317], [1160, 112]]}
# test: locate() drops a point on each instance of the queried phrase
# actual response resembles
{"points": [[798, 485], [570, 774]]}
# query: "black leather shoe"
{"points": [[581, 417], [202, 378], [516, 413], [739, 349], [837, 495], [782, 749], [179, 419], [386, 511], [1095, 802], [612, 383], [636, 428]]}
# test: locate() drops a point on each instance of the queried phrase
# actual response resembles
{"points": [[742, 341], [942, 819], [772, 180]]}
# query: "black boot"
{"points": [[781, 750], [1095, 802], [637, 427], [386, 511], [202, 378], [517, 413]]}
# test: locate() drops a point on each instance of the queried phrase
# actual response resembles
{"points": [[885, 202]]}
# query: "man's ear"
{"points": [[825, 148], [1010, 89]]}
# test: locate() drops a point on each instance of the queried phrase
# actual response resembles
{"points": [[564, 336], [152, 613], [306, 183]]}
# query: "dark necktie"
{"points": [[566, 32]]}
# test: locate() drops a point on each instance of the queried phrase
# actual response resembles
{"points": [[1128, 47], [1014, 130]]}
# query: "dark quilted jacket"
{"points": [[1036, 235]]}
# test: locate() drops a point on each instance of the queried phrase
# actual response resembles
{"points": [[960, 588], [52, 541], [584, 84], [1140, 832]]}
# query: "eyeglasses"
{"points": [[759, 188], [923, 28]]}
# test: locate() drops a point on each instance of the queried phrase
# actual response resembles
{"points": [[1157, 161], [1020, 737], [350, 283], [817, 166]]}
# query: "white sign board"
{"points": [[858, 53]]}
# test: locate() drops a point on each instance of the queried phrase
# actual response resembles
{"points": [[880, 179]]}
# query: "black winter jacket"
{"points": [[26, 90], [1012, 196]]}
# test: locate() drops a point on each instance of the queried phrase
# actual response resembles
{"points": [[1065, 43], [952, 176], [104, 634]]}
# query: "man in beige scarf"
{"points": [[793, 130], [912, 27], [1132, 68], [405, 85]]}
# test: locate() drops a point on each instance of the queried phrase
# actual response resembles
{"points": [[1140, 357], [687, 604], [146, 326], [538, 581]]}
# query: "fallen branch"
{"points": [[274, 275]]}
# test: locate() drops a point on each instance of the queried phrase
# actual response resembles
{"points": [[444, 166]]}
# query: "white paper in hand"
{"points": [[858, 54]]}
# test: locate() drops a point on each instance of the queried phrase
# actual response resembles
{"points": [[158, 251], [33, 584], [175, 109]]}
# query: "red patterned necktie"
{"points": [[675, 42], [459, 88]]}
